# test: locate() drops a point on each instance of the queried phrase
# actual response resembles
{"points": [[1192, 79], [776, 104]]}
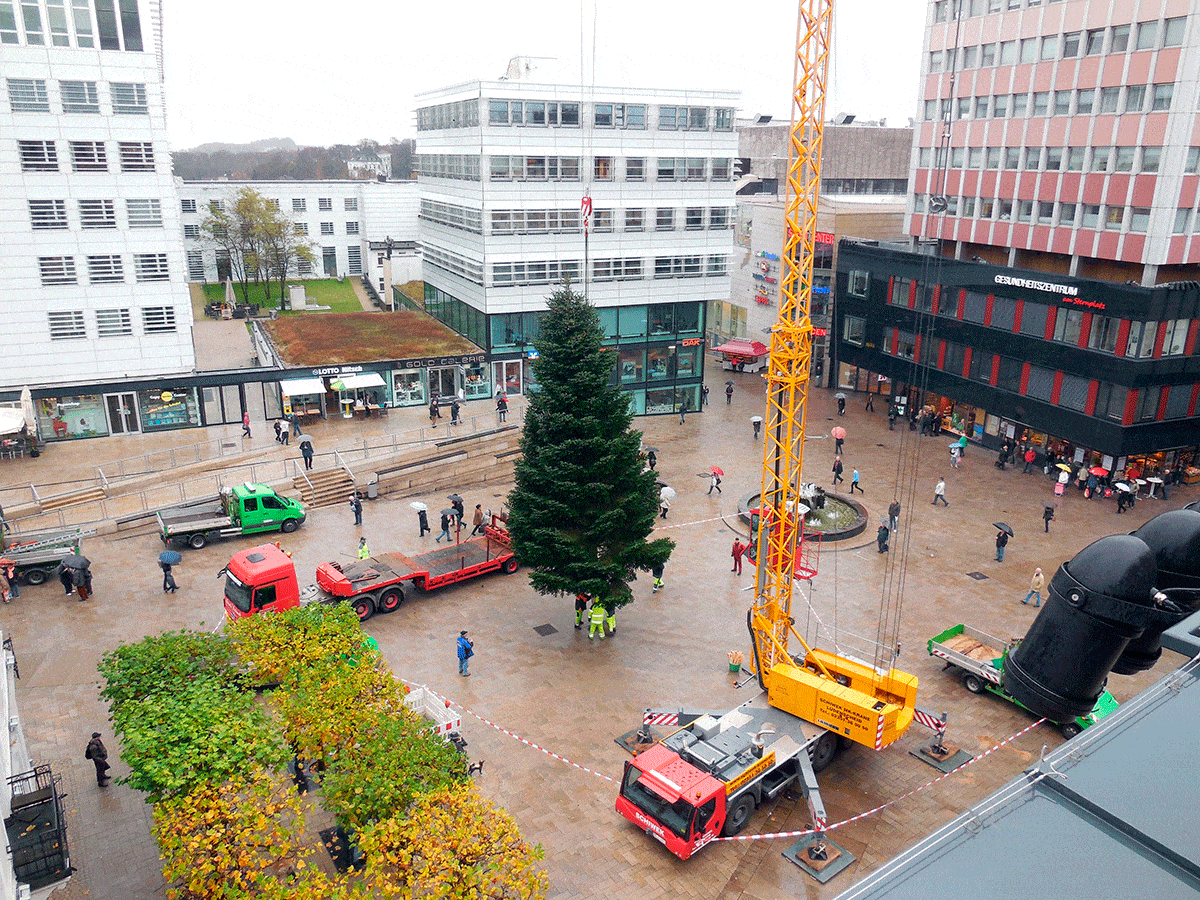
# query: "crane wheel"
{"points": [[738, 816]]}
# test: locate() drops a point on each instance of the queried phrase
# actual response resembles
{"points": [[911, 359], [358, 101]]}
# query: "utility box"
{"points": [[373, 486]]}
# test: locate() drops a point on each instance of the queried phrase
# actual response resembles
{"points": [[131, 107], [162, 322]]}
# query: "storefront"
{"points": [[69, 417], [408, 389], [358, 392], [303, 398], [417, 381]]}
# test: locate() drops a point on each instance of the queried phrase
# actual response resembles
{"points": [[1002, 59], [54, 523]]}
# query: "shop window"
{"points": [[853, 329], [659, 363], [163, 410], [859, 281], [631, 364], [66, 418]]}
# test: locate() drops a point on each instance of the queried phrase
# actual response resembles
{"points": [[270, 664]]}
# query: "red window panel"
{"points": [[1195, 398], [1122, 337], [1085, 330], [1050, 317], [941, 355], [995, 376], [987, 310], [1017, 317], [1024, 378], [1158, 341], [1161, 415], [1130, 407], [1093, 390], [962, 302], [1189, 348], [1056, 390], [966, 362]]}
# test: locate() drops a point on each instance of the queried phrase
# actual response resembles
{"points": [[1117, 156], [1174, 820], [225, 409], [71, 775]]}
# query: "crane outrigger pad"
{"points": [[837, 858]]}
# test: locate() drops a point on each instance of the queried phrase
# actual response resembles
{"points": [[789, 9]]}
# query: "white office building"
{"points": [[94, 283], [503, 166]]}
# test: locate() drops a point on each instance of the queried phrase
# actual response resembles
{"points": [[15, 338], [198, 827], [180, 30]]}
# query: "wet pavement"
{"points": [[554, 688]]}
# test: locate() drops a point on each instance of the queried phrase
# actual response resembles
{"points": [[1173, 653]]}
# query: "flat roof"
{"points": [[362, 337]]}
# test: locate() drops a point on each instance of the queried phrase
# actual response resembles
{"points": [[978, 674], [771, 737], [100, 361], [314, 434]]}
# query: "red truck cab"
{"points": [[260, 579], [677, 804]]}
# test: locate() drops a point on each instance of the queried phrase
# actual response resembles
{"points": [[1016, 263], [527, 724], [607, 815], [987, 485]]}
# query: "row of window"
{"points": [[569, 221], [103, 269], [299, 204], [620, 269], [541, 113], [196, 272], [1131, 98], [192, 232], [124, 98], [71, 325], [567, 168], [1150, 35], [69, 23], [85, 156], [51, 215], [1111, 217], [1054, 159]]}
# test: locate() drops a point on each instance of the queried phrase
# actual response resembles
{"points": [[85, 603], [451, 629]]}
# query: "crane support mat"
{"points": [[634, 744], [823, 870], [943, 764]]}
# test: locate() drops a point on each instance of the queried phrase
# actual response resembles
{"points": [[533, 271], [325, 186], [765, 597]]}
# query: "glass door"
{"points": [[507, 376], [443, 383], [122, 413]]}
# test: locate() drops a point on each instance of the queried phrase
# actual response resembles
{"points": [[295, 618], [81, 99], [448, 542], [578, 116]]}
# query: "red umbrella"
{"points": [[838, 432], [1098, 471], [716, 470]]}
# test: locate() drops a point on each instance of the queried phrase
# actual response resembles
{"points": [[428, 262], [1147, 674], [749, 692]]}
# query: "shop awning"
{"points": [[743, 348], [302, 387], [11, 421], [356, 382]]}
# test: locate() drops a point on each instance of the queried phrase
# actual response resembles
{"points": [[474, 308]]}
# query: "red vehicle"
{"points": [[264, 578]]}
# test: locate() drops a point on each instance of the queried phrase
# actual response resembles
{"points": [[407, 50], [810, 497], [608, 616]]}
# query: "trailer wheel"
{"points": [[1070, 729], [824, 751], [36, 576], [390, 600], [288, 526], [510, 565], [364, 608], [197, 541], [973, 683], [738, 816]]}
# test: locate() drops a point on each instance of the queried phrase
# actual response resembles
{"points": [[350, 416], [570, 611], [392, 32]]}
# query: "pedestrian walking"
{"points": [[460, 510], [66, 578], [1048, 514], [168, 579], [1035, 587], [98, 754], [502, 407], [714, 481], [704, 395], [478, 520], [838, 442], [870, 407], [1001, 543], [683, 408], [596, 620], [739, 550], [664, 505], [854, 485], [364, 552], [285, 432], [278, 432], [939, 492], [841, 406], [881, 538], [1030, 456], [955, 453], [657, 572], [454, 408], [962, 446], [445, 525], [306, 450], [81, 580], [422, 523], [356, 508], [837, 470], [892, 417], [757, 423], [651, 459], [466, 650], [894, 516], [581, 605], [5, 585], [611, 619], [433, 413], [246, 424], [728, 392]]}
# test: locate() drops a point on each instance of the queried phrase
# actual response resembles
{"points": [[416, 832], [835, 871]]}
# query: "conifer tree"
{"points": [[583, 508]]}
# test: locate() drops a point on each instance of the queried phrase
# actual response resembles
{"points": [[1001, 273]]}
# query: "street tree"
{"points": [[583, 508]]}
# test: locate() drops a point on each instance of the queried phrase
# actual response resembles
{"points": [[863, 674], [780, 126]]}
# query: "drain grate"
{"points": [[546, 630], [978, 576]]}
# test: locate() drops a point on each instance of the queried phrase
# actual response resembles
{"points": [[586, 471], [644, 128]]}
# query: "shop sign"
{"points": [[336, 370], [433, 362], [1033, 284], [823, 237], [1090, 304], [690, 342], [820, 332]]}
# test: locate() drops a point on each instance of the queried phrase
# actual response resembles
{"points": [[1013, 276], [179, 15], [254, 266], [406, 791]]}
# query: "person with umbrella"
{"points": [[714, 479], [1003, 533], [166, 559], [1124, 496], [839, 438], [728, 392], [664, 501], [445, 525], [306, 450], [460, 509], [756, 421], [422, 518], [841, 401]]}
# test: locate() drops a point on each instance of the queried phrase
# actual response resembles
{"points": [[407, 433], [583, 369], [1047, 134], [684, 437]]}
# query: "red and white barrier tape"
{"points": [[685, 524], [550, 753]]}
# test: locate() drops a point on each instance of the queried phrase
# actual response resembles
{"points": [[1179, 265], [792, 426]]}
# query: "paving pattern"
{"points": [[573, 696]]}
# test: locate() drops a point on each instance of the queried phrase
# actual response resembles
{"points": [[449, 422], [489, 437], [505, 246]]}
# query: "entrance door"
{"points": [[329, 259], [507, 376], [442, 382], [122, 413]]}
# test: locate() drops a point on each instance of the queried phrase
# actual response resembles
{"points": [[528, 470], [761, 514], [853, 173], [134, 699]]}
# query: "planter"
{"points": [[735, 668]]}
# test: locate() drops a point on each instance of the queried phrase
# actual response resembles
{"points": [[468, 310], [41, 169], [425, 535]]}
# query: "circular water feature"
{"points": [[835, 517]]}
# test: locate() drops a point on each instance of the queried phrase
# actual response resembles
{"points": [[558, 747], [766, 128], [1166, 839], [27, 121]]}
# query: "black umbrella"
{"points": [[75, 561], [450, 512], [729, 382], [650, 449], [1005, 527], [170, 557], [455, 498]]}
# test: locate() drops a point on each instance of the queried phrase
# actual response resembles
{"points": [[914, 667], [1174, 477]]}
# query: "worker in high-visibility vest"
{"points": [[596, 620], [612, 619], [363, 550]]}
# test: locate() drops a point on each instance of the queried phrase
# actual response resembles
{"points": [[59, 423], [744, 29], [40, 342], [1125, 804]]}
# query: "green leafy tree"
{"points": [[135, 671], [583, 509]]}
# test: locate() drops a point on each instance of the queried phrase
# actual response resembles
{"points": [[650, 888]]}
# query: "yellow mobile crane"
{"points": [[860, 702]]}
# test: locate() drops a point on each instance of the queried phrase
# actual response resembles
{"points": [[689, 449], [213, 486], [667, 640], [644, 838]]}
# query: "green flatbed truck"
{"points": [[979, 658], [243, 509]]}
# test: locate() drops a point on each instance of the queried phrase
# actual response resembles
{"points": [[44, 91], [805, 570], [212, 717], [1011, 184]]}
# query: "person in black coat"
{"points": [[881, 538], [98, 754], [423, 522], [168, 578]]}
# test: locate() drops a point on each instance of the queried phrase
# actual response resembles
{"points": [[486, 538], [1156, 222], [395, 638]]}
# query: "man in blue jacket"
{"points": [[465, 652]]}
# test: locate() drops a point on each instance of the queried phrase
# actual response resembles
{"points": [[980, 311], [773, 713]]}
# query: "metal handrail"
{"points": [[337, 455]]}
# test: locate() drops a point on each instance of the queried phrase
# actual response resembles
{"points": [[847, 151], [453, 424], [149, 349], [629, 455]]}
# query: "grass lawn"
{"points": [[323, 291]]}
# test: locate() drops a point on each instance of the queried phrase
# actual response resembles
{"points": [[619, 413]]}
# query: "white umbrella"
{"points": [[417, 504], [27, 410], [667, 493]]}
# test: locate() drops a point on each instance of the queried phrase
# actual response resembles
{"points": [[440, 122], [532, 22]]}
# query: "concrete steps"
{"points": [[72, 498], [452, 465], [328, 487]]}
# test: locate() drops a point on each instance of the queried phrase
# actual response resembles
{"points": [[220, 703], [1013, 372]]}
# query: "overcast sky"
{"points": [[323, 73]]}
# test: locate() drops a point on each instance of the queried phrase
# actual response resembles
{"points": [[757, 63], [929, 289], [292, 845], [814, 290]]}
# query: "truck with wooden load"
{"points": [[979, 658], [36, 554], [264, 578], [242, 509]]}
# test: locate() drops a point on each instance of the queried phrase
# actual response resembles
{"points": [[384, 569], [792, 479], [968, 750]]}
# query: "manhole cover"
{"points": [[978, 576], [546, 630]]}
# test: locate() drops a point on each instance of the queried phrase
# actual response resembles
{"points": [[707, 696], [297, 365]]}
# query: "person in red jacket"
{"points": [[739, 549]]}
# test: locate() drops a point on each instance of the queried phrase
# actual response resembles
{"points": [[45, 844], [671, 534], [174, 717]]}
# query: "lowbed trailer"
{"points": [[980, 658], [36, 554]]}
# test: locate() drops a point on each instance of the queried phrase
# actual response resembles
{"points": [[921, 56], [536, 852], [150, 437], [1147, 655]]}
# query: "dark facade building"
{"points": [[1102, 373]]}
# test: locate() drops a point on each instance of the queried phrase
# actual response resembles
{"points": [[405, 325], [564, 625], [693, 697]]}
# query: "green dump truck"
{"points": [[244, 509]]}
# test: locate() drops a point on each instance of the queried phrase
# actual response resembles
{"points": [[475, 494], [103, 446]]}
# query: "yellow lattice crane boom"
{"points": [[853, 699]]}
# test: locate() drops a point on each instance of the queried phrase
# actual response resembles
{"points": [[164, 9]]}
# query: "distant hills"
{"points": [[252, 147], [279, 159]]}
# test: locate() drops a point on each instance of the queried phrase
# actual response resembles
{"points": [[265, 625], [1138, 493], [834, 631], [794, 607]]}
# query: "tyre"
{"points": [[288, 526], [1069, 730], [973, 683], [364, 608], [36, 576], [824, 751], [510, 565], [738, 816], [197, 541], [390, 600]]}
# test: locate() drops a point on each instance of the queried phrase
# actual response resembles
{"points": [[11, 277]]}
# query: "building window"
{"points": [[717, 265], [1040, 385], [129, 99], [79, 97], [98, 214], [635, 220], [326, 228], [1049, 48], [67, 325], [188, 206], [1033, 319], [1062, 103], [694, 220], [1101, 157], [1175, 336], [352, 227], [1009, 375], [853, 330], [28, 95], [158, 319], [1120, 39], [1183, 219], [298, 204], [1139, 218], [603, 168], [113, 323], [1020, 105], [325, 204], [1173, 31], [1161, 101], [1110, 98], [350, 203], [602, 115], [1123, 161], [1075, 156], [1066, 213], [1140, 344], [723, 118], [1054, 158], [302, 229], [1103, 335], [1067, 325], [1135, 98], [38, 156], [671, 117], [106, 269], [602, 221], [57, 270], [1147, 35], [151, 267], [48, 215], [858, 283], [1070, 45], [974, 307], [1114, 217], [1151, 156], [191, 232], [195, 265], [1029, 50], [664, 219], [136, 156], [144, 213], [354, 260], [1094, 42], [1085, 101]]}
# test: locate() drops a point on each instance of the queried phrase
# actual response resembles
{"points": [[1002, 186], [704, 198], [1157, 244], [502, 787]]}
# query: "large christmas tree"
{"points": [[583, 507]]}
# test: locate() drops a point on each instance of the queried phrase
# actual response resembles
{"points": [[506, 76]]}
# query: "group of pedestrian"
{"points": [[75, 579], [598, 616], [283, 431], [855, 478]]}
